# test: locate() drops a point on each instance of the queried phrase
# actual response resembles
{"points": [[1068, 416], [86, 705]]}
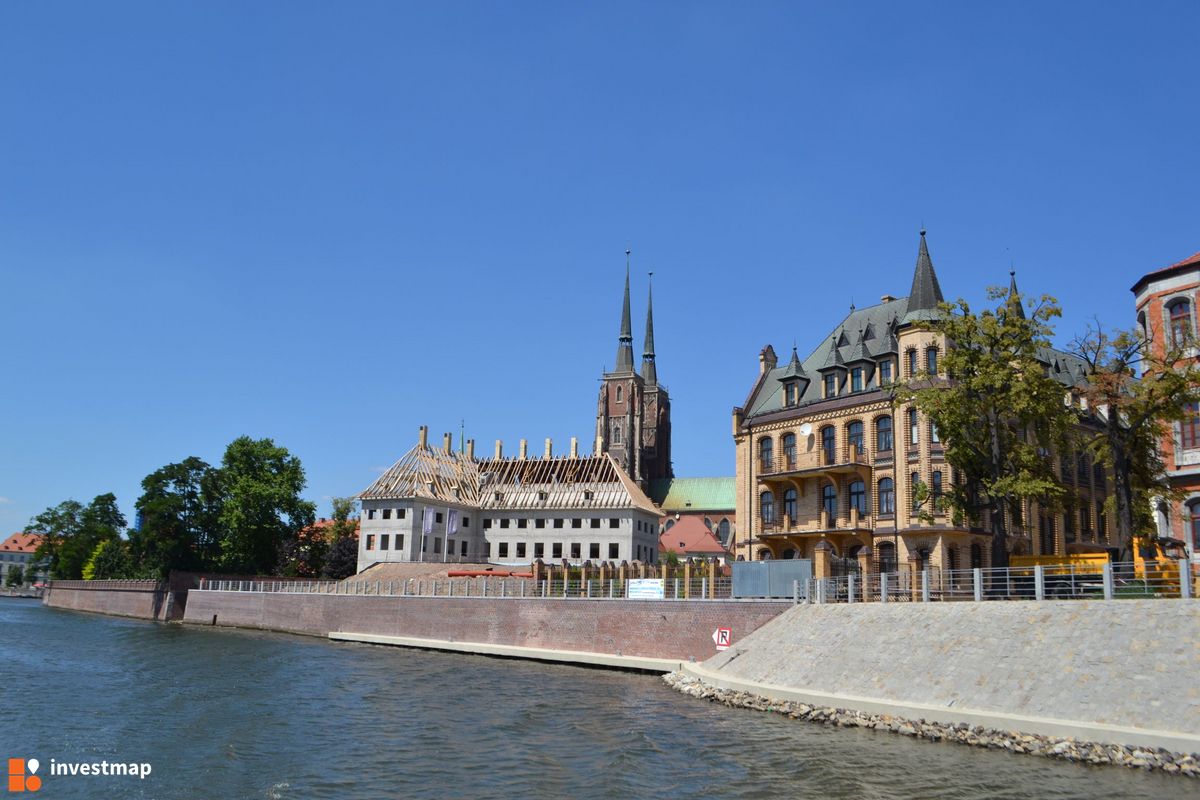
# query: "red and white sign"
{"points": [[723, 637]]}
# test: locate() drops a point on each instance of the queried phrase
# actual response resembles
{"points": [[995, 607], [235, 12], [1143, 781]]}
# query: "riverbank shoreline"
{"points": [[1064, 748]]}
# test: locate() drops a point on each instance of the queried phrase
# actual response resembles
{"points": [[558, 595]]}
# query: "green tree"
{"points": [[259, 485], [180, 510], [341, 558], [109, 560], [71, 532], [1134, 415], [999, 414], [15, 577]]}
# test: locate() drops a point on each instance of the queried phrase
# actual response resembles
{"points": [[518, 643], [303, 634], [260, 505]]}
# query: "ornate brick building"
{"points": [[1166, 301], [825, 453]]}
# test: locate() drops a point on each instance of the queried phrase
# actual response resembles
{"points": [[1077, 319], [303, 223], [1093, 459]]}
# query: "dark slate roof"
{"points": [[926, 294], [625, 340], [1014, 299], [794, 369], [770, 397]]}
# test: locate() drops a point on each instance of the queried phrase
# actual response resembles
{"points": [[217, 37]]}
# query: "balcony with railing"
{"points": [[828, 460], [821, 525]]}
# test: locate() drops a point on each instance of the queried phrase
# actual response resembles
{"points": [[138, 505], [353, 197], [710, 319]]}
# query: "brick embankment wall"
{"points": [[1125, 663], [647, 628], [141, 599]]}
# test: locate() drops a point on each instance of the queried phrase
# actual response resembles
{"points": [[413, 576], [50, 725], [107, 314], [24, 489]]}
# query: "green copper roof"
{"points": [[693, 494]]}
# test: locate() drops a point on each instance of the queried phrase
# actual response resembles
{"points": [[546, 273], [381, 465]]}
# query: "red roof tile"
{"points": [[689, 537], [1190, 261], [21, 542]]}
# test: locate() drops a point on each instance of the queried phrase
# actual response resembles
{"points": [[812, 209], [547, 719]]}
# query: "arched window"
{"points": [[708, 523], [670, 524], [1189, 428], [914, 428], [789, 553], [887, 496], [789, 449], [887, 557], [935, 491], [883, 434], [914, 480], [789, 504], [616, 433], [858, 497], [1193, 509], [1046, 532], [829, 444], [854, 436], [829, 501], [618, 394], [766, 505], [766, 452], [912, 363], [764, 555], [931, 360], [723, 531], [1141, 319], [1179, 322]]}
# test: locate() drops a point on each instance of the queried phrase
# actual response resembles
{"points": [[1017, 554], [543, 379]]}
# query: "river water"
{"points": [[237, 714]]}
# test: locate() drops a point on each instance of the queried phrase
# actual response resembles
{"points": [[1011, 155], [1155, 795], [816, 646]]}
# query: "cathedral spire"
{"points": [[649, 372], [1014, 297], [625, 340], [926, 294]]}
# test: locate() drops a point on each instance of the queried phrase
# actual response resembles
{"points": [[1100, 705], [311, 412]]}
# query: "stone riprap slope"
{"points": [[1118, 671]]}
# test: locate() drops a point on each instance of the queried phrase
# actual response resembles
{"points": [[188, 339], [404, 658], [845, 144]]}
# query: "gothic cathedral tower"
{"points": [[633, 417]]}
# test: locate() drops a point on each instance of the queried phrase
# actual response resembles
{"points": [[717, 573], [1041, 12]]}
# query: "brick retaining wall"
{"points": [[647, 628], [141, 599]]}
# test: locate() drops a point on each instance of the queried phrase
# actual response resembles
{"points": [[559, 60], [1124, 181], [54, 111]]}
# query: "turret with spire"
{"points": [[1014, 297], [649, 372], [926, 294], [625, 340]]}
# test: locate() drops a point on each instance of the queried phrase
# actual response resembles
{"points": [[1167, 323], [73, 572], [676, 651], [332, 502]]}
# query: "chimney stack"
{"points": [[574, 447], [446, 442], [549, 448], [423, 436], [471, 449], [499, 450], [524, 449]]}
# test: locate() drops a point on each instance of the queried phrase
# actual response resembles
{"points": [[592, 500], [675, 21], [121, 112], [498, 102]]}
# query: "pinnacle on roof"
{"points": [[625, 340], [794, 368], [1014, 297], [649, 372], [926, 294], [835, 358], [859, 351]]}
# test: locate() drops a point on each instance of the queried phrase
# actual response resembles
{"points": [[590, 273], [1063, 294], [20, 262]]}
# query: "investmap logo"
{"points": [[22, 775]]}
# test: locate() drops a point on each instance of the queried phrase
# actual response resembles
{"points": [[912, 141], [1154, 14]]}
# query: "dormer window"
{"points": [[885, 372], [831, 385], [856, 379], [791, 395]]}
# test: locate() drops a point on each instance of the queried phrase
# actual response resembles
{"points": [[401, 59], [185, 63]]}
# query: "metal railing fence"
{"points": [[1068, 582], [591, 589]]}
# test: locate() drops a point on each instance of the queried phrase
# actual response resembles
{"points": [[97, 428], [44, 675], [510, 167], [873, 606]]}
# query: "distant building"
{"points": [[439, 505], [711, 500], [689, 538], [18, 551], [1166, 302], [633, 415]]}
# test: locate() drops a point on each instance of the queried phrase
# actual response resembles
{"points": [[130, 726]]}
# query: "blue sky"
{"points": [[331, 223]]}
